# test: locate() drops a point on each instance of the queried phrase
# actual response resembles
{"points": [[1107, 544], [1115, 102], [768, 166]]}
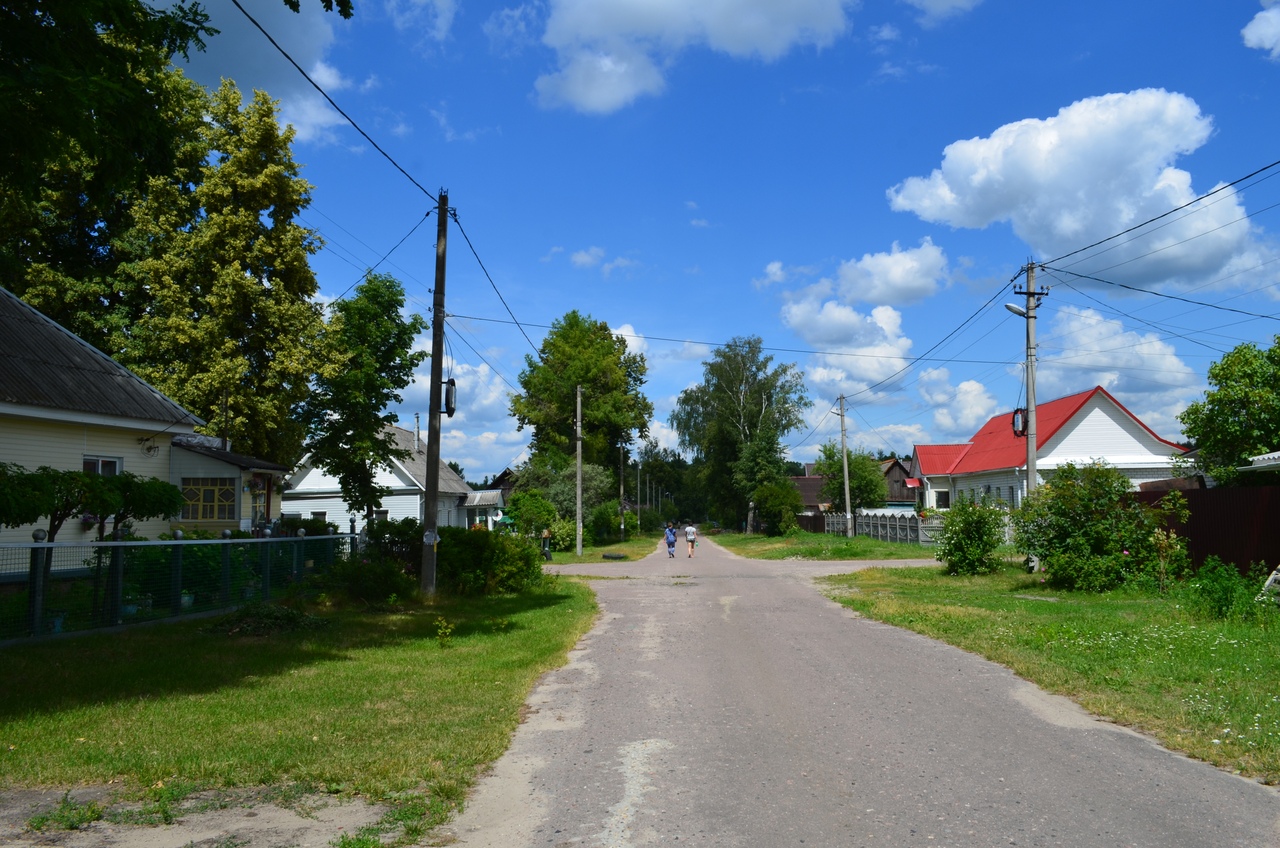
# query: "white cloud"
{"points": [[774, 272], [614, 264], [1142, 371], [934, 11], [1263, 32], [884, 33], [958, 411], [897, 277], [434, 17], [240, 52], [510, 31], [699, 222], [588, 258], [610, 54], [1100, 166], [635, 342]]}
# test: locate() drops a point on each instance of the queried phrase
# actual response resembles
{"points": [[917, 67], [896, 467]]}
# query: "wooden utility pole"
{"points": [[844, 460], [431, 485], [1029, 313]]}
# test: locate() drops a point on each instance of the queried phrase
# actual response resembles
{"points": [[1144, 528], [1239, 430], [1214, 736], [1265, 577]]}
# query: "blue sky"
{"points": [[855, 183]]}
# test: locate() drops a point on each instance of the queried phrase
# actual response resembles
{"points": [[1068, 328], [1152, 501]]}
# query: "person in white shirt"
{"points": [[691, 536]]}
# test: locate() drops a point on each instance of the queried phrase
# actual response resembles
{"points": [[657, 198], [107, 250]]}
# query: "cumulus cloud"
{"points": [[241, 53], [1100, 166], [1263, 32], [620, 263], [432, 17], [859, 349], [958, 411], [897, 277], [774, 272], [636, 343], [610, 54], [1083, 349]]}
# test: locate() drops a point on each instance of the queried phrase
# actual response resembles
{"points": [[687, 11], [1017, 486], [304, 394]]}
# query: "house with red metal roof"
{"points": [[1077, 429]]}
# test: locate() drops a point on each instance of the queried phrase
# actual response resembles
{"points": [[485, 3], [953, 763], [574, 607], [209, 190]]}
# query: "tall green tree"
{"points": [[580, 351], [369, 361], [867, 486], [232, 332], [734, 420], [1240, 414]]}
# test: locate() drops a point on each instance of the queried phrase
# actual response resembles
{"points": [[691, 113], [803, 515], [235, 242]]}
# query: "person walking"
{"points": [[671, 541], [691, 536]]}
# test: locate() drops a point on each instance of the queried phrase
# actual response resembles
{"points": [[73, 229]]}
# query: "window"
{"points": [[209, 498], [107, 466], [944, 500]]}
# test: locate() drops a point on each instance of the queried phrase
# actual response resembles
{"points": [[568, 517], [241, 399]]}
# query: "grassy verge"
{"points": [[818, 546], [401, 707], [632, 549], [1206, 687]]}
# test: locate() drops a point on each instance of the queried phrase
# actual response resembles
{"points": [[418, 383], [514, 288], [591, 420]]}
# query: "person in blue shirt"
{"points": [[671, 541]]}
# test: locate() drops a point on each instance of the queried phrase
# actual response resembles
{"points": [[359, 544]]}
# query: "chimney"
{"points": [[417, 425]]}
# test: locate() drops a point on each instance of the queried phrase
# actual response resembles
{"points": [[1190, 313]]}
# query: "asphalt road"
{"points": [[724, 701]]}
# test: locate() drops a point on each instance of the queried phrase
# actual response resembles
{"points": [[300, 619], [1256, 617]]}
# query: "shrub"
{"points": [[564, 535], [971, 533], [477, 562], [399, 540], [314, 526], [531, 512], [1090, 533], [604, 522], [368, 576]]}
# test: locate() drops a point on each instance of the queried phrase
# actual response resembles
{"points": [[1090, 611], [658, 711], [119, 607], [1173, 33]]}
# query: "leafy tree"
{"points": [[777, 505], [138, 499], [742, 408], [867, 486], [1089, 532], [370, 360], [972, 530], [579, 351], [531, 512], [459, 470], [555, 478], [1239, 416], [231, 333]]}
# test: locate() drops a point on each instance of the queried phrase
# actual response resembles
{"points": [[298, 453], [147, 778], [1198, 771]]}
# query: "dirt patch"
{"points": [[240, 819]]}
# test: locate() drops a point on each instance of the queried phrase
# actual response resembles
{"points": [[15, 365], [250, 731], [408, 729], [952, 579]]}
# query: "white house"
{"points": [[67, 405], [1077, 429], [313, 493]]}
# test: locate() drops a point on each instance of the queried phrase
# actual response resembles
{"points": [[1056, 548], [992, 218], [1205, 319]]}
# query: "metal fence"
{"points": [[49, 588]]}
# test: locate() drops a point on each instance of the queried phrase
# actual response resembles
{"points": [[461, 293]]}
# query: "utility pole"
{"points": [[431, 485], [844, 460], [1028, 312], [578, 441], [622, 495]]}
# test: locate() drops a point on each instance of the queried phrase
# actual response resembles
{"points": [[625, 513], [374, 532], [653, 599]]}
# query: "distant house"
{"points": [[67, 405], [221, 489], [311, 492], [810, 488], [1079, 429], [895, 479]]}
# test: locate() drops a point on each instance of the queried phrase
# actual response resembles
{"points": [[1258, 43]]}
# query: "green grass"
{"points": [[819, 546], [634, 548], [1206, 687], [402, 707]]}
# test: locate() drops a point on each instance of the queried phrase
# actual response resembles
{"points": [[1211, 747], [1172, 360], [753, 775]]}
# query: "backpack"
{"points": [[671, 536]]}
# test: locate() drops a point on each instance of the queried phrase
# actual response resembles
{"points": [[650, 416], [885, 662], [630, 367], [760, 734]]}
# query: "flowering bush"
{"points": [[971, 532]]}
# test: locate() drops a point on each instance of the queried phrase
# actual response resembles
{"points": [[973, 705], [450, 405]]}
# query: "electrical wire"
{"points": [[366, 274], [454, 215], [1161, 294], [326, 96]]}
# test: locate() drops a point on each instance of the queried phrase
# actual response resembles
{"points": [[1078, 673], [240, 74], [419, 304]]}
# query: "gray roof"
{"points": [[45, 366], [488, 497], [416, 464], [239, 460]]}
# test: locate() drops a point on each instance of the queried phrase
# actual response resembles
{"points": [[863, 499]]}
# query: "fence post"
{"points": [[302, 540], [115, 582], [35, 584], [175, 576], [266, 564], [226, 568]]}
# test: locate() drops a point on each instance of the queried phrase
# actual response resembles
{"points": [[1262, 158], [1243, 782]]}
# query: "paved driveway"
{"points": [[724, 701]]}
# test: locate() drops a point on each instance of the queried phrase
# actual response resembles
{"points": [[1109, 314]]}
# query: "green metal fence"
{"points": [[47, 589]]}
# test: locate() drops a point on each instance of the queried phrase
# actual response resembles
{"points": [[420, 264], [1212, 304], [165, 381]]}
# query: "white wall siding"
{"points": [[32, 443]]}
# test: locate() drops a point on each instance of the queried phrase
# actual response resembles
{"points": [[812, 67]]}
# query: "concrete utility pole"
{"points": [[622, 506], [1029, 313], [844, 460], [578, 440], [431, 485]]}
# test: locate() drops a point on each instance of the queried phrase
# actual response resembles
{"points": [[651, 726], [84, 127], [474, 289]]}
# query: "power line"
{"points": [[1164, 214], [366, 274], [1160, 294], [453, 214], [326, 96]]}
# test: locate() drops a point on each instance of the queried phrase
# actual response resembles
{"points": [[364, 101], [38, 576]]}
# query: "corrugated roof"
{"points": [[45, 366], [487, 497], [246, 463], [449, 481], [938, 459]]}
